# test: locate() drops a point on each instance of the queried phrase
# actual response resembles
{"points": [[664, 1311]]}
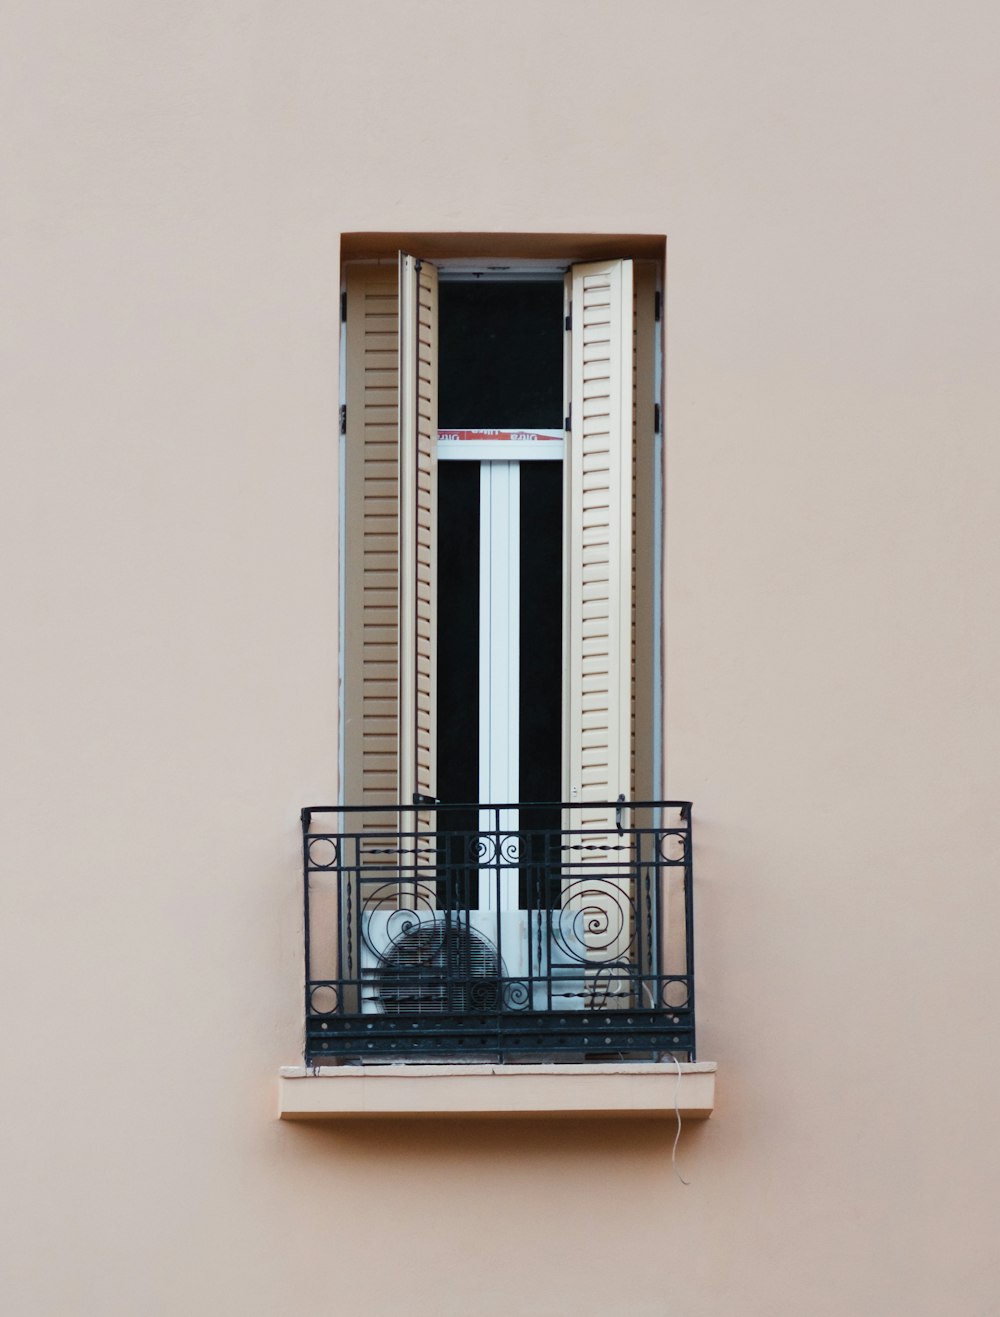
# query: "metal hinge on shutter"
{"points": [[568, 419], [656, 418], [569, 316], [343, 418], [343, 308], [657, 305]]}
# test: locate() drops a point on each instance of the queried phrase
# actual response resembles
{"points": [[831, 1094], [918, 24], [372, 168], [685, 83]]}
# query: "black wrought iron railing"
{"points": [[499, 931]]}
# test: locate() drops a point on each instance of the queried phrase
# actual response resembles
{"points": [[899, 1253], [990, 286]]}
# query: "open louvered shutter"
{"points": [[417, 527], [371, 541], [599, 538], [598, 878]]}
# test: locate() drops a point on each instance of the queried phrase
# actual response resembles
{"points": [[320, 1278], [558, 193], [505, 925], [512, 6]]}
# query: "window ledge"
{"points": [[614, 1089]]}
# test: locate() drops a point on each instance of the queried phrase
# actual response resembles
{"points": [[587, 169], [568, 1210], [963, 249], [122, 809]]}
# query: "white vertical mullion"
{"points": [[499, 661], [486, 900], [509, 691]]}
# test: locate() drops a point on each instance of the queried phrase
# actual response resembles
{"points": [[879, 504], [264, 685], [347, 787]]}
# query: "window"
{"points": [[500, 594]]}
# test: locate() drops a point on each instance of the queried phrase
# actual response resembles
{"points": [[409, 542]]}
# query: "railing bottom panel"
{"points": [[640, 1034]]}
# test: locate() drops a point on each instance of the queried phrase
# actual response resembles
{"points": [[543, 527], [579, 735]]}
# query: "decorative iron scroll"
{"points": [[415, 947]]}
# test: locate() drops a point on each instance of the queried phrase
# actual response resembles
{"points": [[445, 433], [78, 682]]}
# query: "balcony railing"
{"points": [[499, 932]]}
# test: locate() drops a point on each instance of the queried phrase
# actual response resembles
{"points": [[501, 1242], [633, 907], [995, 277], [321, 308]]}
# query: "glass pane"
{"points": [[500, 354], [458, 678], [541, 677]]}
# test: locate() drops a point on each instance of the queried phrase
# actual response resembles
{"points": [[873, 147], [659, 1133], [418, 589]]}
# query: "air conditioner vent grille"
{"points": [[441, 968]]}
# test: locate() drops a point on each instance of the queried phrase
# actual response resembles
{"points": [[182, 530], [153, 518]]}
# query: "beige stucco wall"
{"points": [[175, 178]]}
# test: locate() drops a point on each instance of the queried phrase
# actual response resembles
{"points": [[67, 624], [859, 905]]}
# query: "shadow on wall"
{"points": [[562, 1148]]}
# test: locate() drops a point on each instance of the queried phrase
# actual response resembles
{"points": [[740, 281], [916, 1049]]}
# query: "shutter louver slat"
{"points": [[371, 708], [599, 593], [417, 528], [600, 535]]}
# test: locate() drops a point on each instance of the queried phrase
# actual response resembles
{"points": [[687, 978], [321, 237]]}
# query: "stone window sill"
{"points": [[615, 1089]]}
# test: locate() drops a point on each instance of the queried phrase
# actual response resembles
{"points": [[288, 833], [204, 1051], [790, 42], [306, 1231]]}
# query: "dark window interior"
{"points": [[458, 672], [500, 349], [500, 367], [540, 731]]}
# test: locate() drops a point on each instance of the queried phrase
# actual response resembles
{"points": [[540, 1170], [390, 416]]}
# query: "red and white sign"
{"points": [[499, 436]]}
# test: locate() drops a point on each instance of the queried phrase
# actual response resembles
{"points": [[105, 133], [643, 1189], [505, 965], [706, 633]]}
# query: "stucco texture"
{"points": [[176, 178]]}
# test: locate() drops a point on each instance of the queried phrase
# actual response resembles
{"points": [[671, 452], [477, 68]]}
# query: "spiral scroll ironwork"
{"points": [[516, 995], [511, 848], [481, 848], [488, 848], [420, 913], [597, 921]]}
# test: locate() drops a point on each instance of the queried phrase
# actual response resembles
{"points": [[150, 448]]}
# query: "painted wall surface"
{"points": [[175, 180]]}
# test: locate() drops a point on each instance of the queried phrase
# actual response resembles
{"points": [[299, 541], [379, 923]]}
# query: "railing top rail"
{"points": [[424, 807]]}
